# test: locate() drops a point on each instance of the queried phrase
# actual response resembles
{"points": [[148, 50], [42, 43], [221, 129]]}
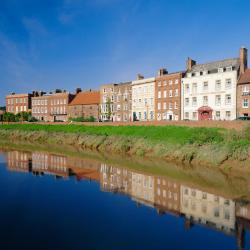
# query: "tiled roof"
{"points": [[234, 62], [85, 98], [245, 78]]}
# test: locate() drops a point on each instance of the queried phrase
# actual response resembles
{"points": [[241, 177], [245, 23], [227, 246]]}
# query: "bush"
{"points": [[22, 116], [9, 117], [32, 119], [82, 119]]}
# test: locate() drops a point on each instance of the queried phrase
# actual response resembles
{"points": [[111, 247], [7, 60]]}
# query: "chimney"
{"points": [[58, 91], [243, 60], [41, 93], [190, 63], [162, 72], [78, 90], [140, 77]]}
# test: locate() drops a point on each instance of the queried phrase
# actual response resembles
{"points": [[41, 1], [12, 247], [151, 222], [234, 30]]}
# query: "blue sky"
{"points": [[48, 44]]}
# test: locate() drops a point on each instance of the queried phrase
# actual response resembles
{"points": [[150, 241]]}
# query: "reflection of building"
{"points": [[167, 195], [84, 169], [162, 193], [208, 209], [45, 163], [243, 221], [115, 179], [143, 188], [19, 161]]}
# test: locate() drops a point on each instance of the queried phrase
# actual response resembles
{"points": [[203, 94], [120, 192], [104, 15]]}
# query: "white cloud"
{"points": [[16, 71]]}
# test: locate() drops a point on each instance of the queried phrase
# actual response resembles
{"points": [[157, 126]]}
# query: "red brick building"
{"points": [[51, 107], [85, 105], [167, 195], [243, 95], [16, 103], [168, 96]]}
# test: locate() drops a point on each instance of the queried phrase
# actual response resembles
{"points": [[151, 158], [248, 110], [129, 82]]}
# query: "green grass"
{"points": [[170, 134], [208, 146]]}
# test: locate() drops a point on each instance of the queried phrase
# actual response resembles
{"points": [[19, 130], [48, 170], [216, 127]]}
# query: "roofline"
{"points": [[16, 95], [235, 58], [70, 104], [172, 73]]}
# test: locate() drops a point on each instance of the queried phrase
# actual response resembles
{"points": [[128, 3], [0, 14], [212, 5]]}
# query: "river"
{"points": [[56, 201]]}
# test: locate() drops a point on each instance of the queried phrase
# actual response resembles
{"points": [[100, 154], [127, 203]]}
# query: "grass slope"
{"points": [[210, 146]]}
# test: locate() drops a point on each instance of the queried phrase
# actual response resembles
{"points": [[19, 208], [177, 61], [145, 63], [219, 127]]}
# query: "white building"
{"points": [[209, 90], [208, 209], [143, 188], [143, 99]]}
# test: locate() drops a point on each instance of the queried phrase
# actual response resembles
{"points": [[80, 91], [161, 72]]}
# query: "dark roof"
{"points": [[86, 98], [234, 62], [245, 78]]}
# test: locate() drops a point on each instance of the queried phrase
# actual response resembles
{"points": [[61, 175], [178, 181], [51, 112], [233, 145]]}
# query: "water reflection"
{"points": [[232, 217]]}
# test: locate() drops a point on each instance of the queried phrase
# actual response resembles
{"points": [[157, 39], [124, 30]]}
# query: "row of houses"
{"points": [[166, 195], [212, 91]]}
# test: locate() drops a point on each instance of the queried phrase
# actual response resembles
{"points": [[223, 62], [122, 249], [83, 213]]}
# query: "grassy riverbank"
{"points": [[207, 146]]}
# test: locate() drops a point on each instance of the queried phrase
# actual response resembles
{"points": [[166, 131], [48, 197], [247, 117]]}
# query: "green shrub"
{"points": [[82, 119]]}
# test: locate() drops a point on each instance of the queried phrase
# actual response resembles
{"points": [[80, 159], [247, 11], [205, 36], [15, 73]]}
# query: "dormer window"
{"points": [[220, 70], [229, 68]]}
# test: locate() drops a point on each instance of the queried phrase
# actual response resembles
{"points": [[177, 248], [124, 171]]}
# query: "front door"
{"points": [[206, 115]]}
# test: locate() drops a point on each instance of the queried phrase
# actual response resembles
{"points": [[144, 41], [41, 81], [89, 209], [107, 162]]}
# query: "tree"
{"points": [[23, 116], [109, 111], [9, 117]]}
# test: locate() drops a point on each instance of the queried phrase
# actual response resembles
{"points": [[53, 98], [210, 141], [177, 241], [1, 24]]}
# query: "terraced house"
{"points": [[168, 95], [143, 99], [51, 107], [85, 105], [243, 95], [107, 93], [123, 102], [16, 103], [209, 90], [41, 106]]}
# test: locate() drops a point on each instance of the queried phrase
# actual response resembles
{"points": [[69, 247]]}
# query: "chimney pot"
{"points": [[162, 72], [190, 63], [140, 77], [243, 60], [78, 90]]}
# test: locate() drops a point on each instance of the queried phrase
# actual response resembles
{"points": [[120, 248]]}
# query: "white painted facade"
{"points": [[207, 208], [143, 99], [215, 90], [143, 187]]}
